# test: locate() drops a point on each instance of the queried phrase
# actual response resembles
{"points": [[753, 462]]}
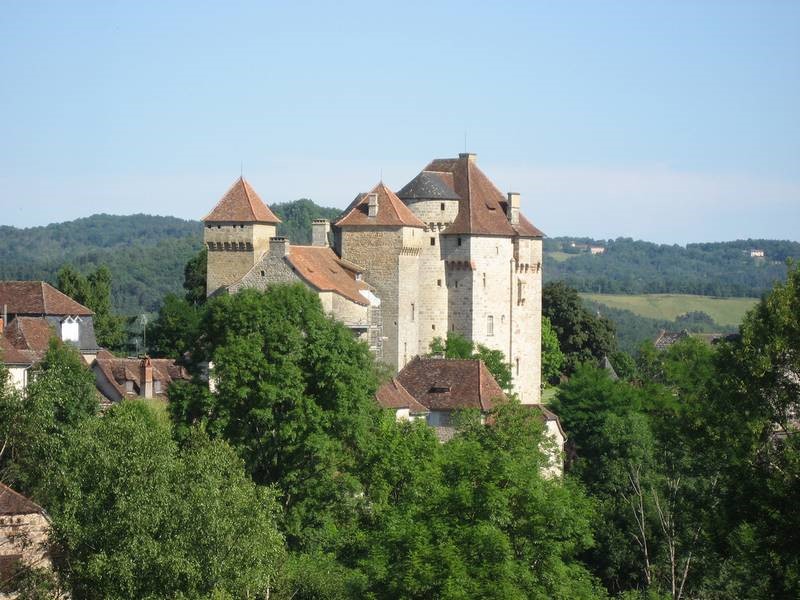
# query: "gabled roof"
{"points": [[241, 204], [118, 371], [37, 298], [450, 384], [391, 211], [14, 503], [325, 271], [482, 209], [393, 395], [429, 185]]}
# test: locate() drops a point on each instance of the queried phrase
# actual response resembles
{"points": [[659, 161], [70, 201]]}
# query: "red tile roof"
{"points": [[14, 503], [30, 333], [450, 384], [326, 272], [118, 371], [12, 356], [391, 211], [482, 208], [392, 395], [241, 204], [37, 298]]}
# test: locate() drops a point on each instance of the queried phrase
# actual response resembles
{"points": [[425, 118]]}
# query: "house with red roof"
{"points": [[24, 527], [435, 389]]}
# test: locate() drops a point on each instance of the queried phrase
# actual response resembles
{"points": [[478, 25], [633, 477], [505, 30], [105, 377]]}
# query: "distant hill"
{"points": [[146, 254], [635, 267]]}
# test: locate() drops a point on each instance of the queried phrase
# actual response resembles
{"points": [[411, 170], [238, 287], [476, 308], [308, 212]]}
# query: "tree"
{"points": [[177, 328], [61, 395], [94, 292], [294, 396], [194, 278], [750, 434], [135, 516], [552, 357], [582, 336]]}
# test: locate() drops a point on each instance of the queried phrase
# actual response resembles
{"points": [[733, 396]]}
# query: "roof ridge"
{"points": [[4, 488]]}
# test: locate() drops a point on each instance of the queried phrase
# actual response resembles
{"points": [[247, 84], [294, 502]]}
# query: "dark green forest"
{"points": [[635, 267]]}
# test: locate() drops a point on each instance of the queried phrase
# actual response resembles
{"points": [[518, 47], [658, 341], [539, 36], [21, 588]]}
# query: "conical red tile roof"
{"points": [[241, 204]]}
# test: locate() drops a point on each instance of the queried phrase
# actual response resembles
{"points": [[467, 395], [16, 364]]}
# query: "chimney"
{"points": [[278, 246], [470, 156], [373, 206], [319, 232], [513, 208], [146, 378]]}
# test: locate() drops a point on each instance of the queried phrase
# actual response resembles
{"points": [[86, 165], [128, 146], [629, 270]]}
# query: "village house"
{"points": [[24, 528], [435, 389], [34, 313], [447, 252]]}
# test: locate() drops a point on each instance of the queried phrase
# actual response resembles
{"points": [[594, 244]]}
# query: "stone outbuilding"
{"points": [[24, 529], [435, 389]]}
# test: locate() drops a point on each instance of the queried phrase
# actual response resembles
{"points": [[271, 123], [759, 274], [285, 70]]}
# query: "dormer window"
{"points": [[70, 330], [358, 276], [439, 389]]}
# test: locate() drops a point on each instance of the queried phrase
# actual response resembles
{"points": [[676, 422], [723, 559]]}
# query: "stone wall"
{"points": [[25, 536], [233, 249], [379, 250], [433, 320]]}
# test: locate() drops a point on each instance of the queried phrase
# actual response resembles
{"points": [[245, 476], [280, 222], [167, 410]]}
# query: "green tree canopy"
{"points": [[135, 516]]}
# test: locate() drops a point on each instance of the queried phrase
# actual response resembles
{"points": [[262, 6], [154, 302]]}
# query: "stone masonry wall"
{"points": [[25, 535], [432, 313], [377, 250], [233, 249]]}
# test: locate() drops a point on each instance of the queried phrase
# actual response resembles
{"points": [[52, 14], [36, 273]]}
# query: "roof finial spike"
{"points": [[241, 169], [381, 174], [465, 140]]}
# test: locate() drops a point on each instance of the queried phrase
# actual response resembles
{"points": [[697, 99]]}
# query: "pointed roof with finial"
{"points": [[241, 204], [391, 210]]}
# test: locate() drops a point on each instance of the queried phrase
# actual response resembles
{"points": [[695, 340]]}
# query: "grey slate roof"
{"points": [[427, 186]]}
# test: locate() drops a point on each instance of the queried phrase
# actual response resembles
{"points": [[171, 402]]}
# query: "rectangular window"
{"points": [[442, 205], [490, 325], [517, 366], [459, 241], [484, 280], [433, 241], [413, 311], [439, 282]]}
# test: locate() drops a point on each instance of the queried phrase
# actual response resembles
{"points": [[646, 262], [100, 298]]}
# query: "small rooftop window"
{"points": [[439, 389]]}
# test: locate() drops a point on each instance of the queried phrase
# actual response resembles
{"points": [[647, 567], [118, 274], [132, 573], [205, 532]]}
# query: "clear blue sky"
{"points": [[669, 121]]}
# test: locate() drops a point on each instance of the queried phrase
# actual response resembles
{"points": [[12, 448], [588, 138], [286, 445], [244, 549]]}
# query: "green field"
{"points": [[558, 256], [725, 311]]}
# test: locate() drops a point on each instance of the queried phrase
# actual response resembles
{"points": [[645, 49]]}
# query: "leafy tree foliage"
{"points": [[94, 292], [135, 516], [552, 357], [194, 278], [177, 328], [294, 396], [582, 336], [457, 346], [60, 396]]}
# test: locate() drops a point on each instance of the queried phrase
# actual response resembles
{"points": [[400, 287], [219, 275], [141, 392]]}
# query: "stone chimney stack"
{"points": [[278, 246], [319, 232], [373, 206], [470, 156], [146, 378], [513, 208]]}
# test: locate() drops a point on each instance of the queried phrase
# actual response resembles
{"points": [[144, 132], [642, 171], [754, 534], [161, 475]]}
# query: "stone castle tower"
{"points": [[448, 252], [237, 233]]}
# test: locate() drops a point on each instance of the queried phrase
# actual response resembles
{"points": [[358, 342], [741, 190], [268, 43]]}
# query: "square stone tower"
{"points": [[237, 233]]}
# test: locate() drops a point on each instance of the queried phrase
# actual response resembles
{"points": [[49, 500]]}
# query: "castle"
{"points": [[447, 252]]}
